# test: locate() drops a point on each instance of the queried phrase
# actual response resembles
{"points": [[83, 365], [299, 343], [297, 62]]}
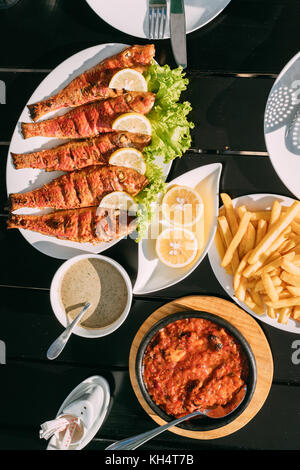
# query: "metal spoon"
{"points": [[58, 345], [132, 443]]}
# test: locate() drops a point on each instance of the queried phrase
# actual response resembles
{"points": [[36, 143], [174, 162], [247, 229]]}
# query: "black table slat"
{"points": [[43, 388], [30, 311], [223, 109]]}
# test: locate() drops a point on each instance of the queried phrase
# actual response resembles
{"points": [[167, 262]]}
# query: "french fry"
{"points": [[296, 227], [275, 213], [269, 287], [271, 312], [294, 290], [281, 303], [296, 313], [248, 240], [230, 213], [284, 314], [290, 279], [227, 235], [259, 286], [262, 227], [242, 289], [276, 229], [220, 244], [290, 267], [239, 271], [231, 249]]}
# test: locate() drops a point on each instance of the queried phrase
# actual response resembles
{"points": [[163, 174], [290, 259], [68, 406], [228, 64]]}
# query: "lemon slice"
{"points": [[128, 79], [132, 122], [182, 206], [130, 158], [176, 247], [119, 200]]}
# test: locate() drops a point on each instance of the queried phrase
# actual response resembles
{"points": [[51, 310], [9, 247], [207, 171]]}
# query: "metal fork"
{"points": [[157, 18]]}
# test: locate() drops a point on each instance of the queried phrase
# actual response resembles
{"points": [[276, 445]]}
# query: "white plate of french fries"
{"points": [[256, 256]]}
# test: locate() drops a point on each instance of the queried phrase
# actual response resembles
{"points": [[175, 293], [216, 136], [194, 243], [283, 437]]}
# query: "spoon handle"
{"points": [[132, 443], [58, 345]]}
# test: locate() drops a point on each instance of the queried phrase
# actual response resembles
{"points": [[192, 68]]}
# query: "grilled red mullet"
{"points": [[79, 225], [81, 188], [90, 119], [93, 83], [78, 154]]}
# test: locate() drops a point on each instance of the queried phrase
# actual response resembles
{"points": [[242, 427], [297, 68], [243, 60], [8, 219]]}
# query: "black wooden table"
{"points": [[232, 65]]}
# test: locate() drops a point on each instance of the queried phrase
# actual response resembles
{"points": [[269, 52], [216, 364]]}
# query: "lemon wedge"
{"points": [[128, 79], [119, 200], [130, 158], [176, 247], [182, 206], [132, 122]]}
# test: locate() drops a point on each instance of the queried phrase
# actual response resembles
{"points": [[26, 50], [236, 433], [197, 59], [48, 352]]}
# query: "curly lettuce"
{"points": [[170, 134]]}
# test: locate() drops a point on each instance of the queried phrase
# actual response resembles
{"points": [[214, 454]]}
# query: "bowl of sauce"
{"points": [[195, 360], [96, 279]]}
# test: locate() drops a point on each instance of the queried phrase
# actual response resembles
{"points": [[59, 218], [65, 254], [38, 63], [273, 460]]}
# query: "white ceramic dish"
{"points": [[153, 275], [131, 16], [59, 311], [29, 179], [254, 202], [282, 125], [80, 391]]}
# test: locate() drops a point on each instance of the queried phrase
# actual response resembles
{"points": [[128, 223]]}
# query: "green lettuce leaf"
{"points": [[170, 134]]}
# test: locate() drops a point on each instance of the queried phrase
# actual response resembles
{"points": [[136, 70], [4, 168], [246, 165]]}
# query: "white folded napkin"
{"points": [[63, 424]]}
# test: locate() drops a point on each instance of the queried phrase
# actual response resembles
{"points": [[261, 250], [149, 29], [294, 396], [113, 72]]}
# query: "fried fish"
{"points": [[78, 154], [90, 119], [87, 225], [93, 83], [81, 188]]}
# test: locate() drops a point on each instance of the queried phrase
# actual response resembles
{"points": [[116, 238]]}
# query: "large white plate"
{"points": [[131, 16], [29, 179], [282, 125], [253, 202], [153, 275]]}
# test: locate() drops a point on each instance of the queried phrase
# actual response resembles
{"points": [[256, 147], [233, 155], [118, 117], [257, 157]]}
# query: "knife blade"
{"points": [[178, 32]]}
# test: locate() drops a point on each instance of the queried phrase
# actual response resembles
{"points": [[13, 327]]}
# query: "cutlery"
{"points": [[157, 18], [178, 32], [58, 345], [132, 443]]}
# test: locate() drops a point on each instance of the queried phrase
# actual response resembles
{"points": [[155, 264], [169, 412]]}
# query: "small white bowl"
{"points": [[59, 311]]}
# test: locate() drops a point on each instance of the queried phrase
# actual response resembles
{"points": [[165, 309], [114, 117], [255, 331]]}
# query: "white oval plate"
{"points": [[131, 16], [29, 179], [253, 202], [153, 275], [282, 125]]}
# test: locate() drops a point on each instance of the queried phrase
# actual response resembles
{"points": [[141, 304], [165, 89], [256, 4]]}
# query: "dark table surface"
{"points": [[232, 65]]}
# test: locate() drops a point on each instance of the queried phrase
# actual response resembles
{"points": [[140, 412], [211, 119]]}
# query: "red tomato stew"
{"points": [[193, 364]]}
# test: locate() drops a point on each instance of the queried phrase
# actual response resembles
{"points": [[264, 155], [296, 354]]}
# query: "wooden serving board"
{"points": [[249, 328]]}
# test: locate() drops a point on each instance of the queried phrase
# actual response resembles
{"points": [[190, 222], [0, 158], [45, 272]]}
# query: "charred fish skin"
{"points": [[93, 83], [78, 154], [90, 119], [81, 188], [87, 225]]}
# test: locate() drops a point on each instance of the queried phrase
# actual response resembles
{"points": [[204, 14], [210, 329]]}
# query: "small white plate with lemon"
{"points": [[29, 179], [182, 230]]}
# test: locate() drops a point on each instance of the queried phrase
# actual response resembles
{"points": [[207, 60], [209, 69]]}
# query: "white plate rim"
{"points": [[92, 4], [268, 137], [214, 259]]}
